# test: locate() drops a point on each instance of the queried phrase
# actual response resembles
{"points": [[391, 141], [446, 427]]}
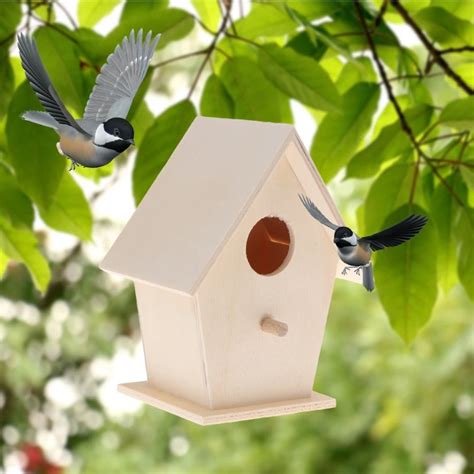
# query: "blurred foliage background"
{"points": [[381, 92]]}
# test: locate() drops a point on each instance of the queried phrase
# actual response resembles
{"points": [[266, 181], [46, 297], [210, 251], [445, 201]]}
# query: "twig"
{"points": [[210, 49], [241, 38], [434, 52], [413, 76], [179, 58], [442, 137], [403, 121], [379, 17], [55, 28], [456, 50], [68, 15]]}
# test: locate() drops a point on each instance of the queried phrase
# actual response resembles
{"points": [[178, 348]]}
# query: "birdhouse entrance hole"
{"points": [[268, 245]]}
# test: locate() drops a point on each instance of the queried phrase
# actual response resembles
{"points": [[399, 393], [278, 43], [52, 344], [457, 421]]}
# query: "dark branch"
{"points": [[435, 53], [401, 116]]}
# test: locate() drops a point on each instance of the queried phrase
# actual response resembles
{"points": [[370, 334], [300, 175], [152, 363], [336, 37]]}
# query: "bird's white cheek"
{"points": [[101, 137], [352, 239]]}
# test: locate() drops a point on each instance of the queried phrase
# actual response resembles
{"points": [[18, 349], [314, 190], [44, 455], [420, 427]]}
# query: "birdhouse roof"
{"points": [[199, 198]]}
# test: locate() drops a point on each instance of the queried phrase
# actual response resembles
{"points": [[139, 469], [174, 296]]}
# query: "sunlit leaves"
{"points": [[6, 80], [299, 77], [215, 100], [91, 12], [15, 206], [255, 98], [265, 20], [340, 133], [209, 12], [10, 15], [60, 57], [464, 232], [33, 155], [158, 144], [406, 278], [172, 23], [445, 28], [391, 142], [387, 193], [459, 114], [21, 245], [444, 210], [69, 210]]}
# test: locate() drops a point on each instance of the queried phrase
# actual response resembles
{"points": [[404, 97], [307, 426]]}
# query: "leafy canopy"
{"points": [[340, 60]]}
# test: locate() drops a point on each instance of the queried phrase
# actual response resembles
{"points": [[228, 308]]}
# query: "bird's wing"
{"points": [[41, 83], [120, 78], [316, 213], [397, 234]]}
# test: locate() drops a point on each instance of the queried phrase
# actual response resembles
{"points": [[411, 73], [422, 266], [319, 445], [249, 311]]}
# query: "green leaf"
{"points": [[10, 16], [136, 9], [142, 120], [3, 263], [406, 278], [379, 203], [255, 98], [33, 155], [460, 8], [265, 20], [172, 23], [339, 134], [299, 77], [215, 100], [459, 114], [392, 141], [61, 59], [445, 28], [21, 245], [358, 70], [7, 80], [209, 12], [15, 206], [464, 232], [90, 12], [313, 9], [444, 211], [159, 143], [69, 211]]}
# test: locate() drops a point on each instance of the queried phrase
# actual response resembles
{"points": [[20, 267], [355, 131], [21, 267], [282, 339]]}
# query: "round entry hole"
{"points": [[268, 245]]}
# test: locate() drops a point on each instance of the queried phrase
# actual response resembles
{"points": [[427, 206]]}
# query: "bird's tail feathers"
{"points": [[41, 118], [368, 277]]}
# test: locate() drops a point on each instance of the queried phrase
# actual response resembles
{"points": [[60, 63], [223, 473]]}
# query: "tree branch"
{"points": [[435, 53], [403, 121], [210, 48]]}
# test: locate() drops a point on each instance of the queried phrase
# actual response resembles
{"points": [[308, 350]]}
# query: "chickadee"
{"points": [[357, 251], [103, 133]]}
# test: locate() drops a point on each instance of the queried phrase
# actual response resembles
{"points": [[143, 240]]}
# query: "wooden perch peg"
{"points": [[272, 326]]}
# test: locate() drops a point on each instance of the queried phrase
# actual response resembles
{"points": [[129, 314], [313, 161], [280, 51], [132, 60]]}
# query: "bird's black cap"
{"points": [[120, 128], [342, 232]]}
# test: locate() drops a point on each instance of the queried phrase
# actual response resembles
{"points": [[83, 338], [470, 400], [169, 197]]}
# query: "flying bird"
{"points": [[104, 132], [356, 251]]}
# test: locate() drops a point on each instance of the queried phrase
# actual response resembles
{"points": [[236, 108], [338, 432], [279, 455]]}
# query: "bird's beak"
{"points": [[131, 141], [336, 240]]}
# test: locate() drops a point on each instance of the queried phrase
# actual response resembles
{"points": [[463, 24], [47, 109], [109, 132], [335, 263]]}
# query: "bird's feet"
{"points": [[356, 270], [73, 166]]}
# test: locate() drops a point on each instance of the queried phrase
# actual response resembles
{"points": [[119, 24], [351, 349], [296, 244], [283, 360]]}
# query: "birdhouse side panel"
{"points": [[172, 343], [250, 361]]}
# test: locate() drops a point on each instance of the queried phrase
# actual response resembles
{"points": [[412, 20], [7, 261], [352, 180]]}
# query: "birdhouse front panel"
{"points": [[169, 326], [273, 266]]}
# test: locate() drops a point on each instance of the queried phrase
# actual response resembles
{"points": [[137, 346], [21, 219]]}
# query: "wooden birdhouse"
{"points": [[233, 277]]}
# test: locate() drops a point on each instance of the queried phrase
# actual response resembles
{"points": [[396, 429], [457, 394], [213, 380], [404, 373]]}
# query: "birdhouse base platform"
{"points": [[148, 394]]}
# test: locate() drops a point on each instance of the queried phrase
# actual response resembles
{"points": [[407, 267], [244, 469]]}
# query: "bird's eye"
{"points": [[116, 132]]}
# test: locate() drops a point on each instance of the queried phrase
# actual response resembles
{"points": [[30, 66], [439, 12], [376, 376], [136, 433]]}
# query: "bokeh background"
{"points": [[69, 332]]}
